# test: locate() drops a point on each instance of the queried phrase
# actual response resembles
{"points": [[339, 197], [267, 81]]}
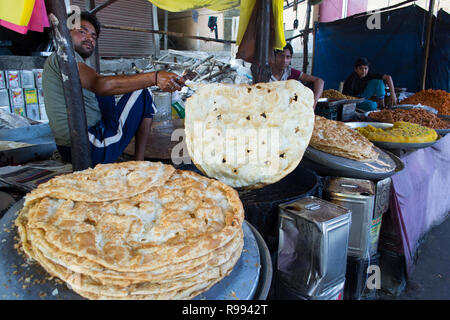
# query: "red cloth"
{"points": [[295, 74]]}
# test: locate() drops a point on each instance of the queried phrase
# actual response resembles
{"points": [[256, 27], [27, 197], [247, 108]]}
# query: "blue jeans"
{"points": [[110, 136], [374, 88]]}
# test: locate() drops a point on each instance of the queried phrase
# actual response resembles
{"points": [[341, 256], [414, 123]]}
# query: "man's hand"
{"points": [[169, 81]]}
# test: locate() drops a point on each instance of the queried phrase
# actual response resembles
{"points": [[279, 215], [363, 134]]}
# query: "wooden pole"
{"points": [[166, 27], [261, 71], [306, 38], [427, 44], [73, 95]]}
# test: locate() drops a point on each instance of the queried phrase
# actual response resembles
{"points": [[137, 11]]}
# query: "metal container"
{"points": [[2, 80], [42, 112], [13, 79], [40, 95], [27, 79], [163, 102], [358, 273], [38, 77], [16, 97], [262, 205], [32, 111], [347, 112], [4, 98], [19, 110], [335, 292], [359, 197], [313, 242], [5, 109]]}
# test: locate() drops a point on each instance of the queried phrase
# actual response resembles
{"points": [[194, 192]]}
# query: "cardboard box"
{"points": [[31, 96], [13, 79], [32, 111], [43, 112], [20, 110], [6, 109], [40, 95], [27, 79], [16, 97], [38, 77], [2, 80], [4, 98]]}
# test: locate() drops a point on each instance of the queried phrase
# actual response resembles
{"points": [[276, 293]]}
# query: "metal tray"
{"points": [[22, 280], [336, 102], [385, 166], [443, 131], [381, 125], [413, 106], [404, 146], [367, 115]]}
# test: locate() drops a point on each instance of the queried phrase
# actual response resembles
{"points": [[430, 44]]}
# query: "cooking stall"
{"points": [[322, 221]]}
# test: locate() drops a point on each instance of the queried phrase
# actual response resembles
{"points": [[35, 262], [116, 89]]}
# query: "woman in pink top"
{"points": [[282, 70]]}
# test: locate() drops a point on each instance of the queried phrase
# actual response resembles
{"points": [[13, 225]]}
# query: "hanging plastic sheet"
{"points": [[183, 5], [438, 72], [246, 9], [249, 27], [394, 44], [16, 11], [37, 22]]}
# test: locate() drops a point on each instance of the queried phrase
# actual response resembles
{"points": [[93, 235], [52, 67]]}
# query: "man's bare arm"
{"points": [[388, 79], [318, 85], [115, 85]]}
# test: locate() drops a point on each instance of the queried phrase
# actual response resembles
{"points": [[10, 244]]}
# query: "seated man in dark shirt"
{"points": [[364, 84]]}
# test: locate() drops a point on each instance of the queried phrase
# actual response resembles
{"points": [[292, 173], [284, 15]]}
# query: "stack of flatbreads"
{"points": [[133, 230], [336, 138], [248, 136]]}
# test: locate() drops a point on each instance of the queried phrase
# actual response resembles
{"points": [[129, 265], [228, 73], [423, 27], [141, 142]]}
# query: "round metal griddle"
{"points": [[324, 163], [25, 280]]}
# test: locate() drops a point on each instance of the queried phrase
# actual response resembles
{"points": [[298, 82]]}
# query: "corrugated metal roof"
{"points": [[121, 43]]}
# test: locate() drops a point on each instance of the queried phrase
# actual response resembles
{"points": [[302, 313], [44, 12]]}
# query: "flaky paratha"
{"points": [[165, 225], [336, 138], [172, 271], [174, 239], [104, 182], [83, 282], [249, 135]]}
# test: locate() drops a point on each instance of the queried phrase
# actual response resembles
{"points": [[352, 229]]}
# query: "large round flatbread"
{"points": [[249, 135], [175, 238]]}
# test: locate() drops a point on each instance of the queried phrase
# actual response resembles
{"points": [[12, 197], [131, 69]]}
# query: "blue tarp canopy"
{"points": [[438, 65], [397, 48]]}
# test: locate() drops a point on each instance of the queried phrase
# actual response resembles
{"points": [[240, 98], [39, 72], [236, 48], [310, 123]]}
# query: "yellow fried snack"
{"points": [[401, 132]]}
